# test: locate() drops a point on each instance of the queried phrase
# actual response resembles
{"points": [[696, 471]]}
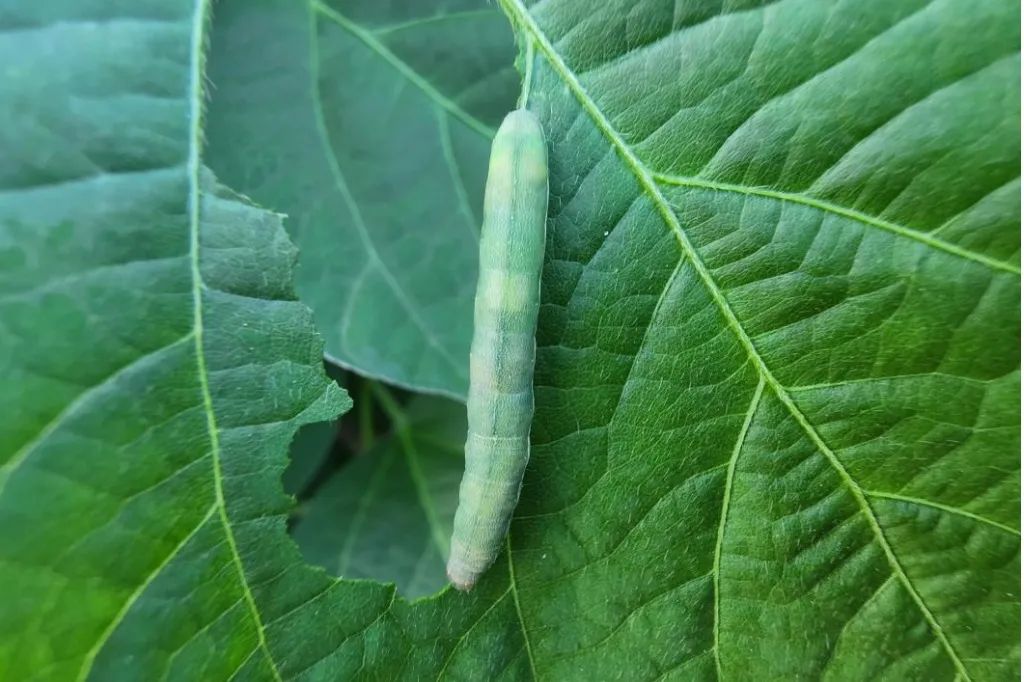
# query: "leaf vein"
{"points": [[716, 570], [957, 511], [462, 15], [404, 69], [8, 468], [194, 636], [412, 458], [194, 166], [849, 213], [445, 134], [519, 609], [90, 657], [462, 637], [373, 256]]}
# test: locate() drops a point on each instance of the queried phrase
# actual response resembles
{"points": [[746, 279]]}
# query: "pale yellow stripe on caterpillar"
{"points": [[506, 290]]}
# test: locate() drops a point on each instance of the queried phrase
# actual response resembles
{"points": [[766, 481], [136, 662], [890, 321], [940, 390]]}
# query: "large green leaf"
{"points": [[777, 422], [369, 124], [155, 363], [388, 514], [778, 417]]}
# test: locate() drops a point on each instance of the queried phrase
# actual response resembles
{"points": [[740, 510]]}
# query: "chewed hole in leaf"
{"points": [[376, 491]]}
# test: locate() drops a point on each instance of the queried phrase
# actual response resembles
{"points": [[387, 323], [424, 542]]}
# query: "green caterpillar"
{"points": [[500, 404]]}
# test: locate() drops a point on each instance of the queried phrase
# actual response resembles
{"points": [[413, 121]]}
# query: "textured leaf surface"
{"points": [[777, 392], [369, 124], [778, 370], [387, 515], [155, 361]]}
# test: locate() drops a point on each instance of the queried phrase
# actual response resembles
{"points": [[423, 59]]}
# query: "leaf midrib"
{"points": [[197, 52], [193, 168], [521, 17]]}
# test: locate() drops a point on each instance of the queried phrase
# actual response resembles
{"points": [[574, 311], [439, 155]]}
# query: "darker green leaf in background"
{"points": [[369, 125], [388, 514], [307, 454]]}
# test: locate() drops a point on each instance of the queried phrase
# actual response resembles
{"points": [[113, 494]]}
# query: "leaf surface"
{"points": [[156, 364], [778, 359]]}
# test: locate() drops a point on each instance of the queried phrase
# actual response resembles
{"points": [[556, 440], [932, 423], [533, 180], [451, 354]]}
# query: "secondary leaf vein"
{"points": [[727, 497], [404, 69], [18, 458], [851, 214], [957, 511], [519, 609], [90, 657], [445, 135], [373, 256]]}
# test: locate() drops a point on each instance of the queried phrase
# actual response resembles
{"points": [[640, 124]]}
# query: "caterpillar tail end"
{"points": [[460, 575]]}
